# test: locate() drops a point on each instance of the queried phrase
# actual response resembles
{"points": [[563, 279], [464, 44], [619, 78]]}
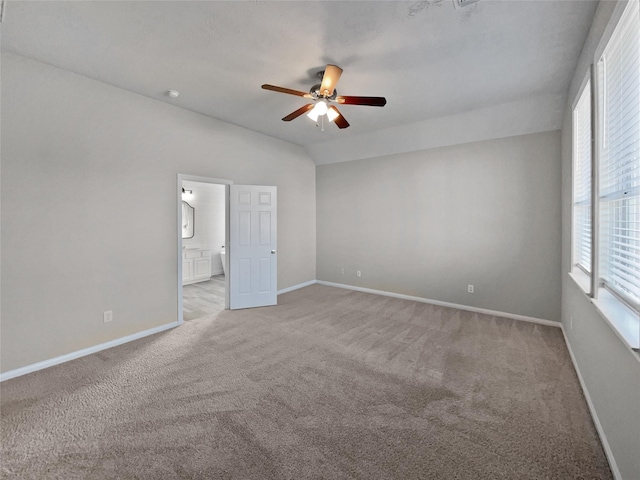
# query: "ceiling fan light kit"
{"points": [[323, 94], [319, 109], [332, 114]]}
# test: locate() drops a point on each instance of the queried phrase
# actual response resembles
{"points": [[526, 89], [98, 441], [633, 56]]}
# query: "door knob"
{"points": [[273, 251]]}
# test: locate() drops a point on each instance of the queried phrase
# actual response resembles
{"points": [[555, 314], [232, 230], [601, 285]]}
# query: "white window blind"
{"points": [[619, 161], [582, 181]]}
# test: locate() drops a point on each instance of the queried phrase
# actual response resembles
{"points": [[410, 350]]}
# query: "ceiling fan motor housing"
{"points": [[315, 93]]}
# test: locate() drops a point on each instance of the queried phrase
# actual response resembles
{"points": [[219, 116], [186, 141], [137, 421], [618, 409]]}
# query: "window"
{"points": [[619, 161], [582, 181], [614, 201]]}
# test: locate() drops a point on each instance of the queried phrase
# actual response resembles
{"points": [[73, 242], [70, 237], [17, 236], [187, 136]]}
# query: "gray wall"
{"points": [[610, 370], [89, 224], [429, 223]]}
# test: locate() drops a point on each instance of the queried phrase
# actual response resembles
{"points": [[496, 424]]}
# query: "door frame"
{"points": [[195, 178]]}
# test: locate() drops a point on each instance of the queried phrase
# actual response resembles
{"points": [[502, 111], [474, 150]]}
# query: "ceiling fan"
{"points": [[323, 94]]}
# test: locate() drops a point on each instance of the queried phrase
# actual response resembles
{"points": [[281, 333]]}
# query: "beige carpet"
{"points": [[330, 384]]}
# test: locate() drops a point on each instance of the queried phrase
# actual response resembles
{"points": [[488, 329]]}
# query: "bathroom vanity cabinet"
{"points": [[196, 265]]}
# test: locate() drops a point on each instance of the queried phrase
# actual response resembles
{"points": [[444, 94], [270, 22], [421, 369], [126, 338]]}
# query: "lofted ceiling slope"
{"points": [[429, 59]]}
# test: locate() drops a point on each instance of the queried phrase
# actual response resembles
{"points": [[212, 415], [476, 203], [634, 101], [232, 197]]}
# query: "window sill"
{"points": [[624, 321], [582, 280]]}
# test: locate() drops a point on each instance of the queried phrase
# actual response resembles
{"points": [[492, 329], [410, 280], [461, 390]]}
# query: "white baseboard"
{"points": [[113, 343], [81, 353], [496, 313], [603, 439], [296, 287], [103, 346]]}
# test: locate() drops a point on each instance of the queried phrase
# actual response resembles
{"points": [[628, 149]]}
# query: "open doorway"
{"points": [[203, 237]]}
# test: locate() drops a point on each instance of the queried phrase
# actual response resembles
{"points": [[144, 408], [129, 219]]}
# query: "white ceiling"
{"points": [[429, 59]]}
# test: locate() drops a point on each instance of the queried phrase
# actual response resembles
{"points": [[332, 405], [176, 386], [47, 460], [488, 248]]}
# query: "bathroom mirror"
{"points": [[188, 215]]}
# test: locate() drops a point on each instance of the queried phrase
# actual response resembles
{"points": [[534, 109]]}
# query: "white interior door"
{"points": [[253, 265]]}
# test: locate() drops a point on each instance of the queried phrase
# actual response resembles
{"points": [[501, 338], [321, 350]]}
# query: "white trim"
{"points": [[84, 352], [296, 287], [612, 24], [592, 409], [196, 178], [582, 281], [620, 318], [180, 319], [113, 343], [496, 313], [119, 341], [586, 78]]}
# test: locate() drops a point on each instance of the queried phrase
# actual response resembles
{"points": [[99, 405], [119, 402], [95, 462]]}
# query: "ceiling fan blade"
{"points": [[286, 90], [340, 121], [330, 79], [298, 112], [371, 101]]}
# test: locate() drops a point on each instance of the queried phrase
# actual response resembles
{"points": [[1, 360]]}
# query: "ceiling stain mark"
{"points": [[469, 12], [418, 7]]}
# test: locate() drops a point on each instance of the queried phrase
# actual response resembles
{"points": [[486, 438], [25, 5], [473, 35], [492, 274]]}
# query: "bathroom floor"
{"points": [[203, 298]]}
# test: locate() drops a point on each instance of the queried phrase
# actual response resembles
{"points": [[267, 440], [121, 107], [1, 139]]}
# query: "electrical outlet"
{"points": [[107, 316], [470, 288], [342, 271], [358, 273]]}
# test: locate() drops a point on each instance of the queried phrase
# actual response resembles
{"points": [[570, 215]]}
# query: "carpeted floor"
{"points": [[330, 384]]}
